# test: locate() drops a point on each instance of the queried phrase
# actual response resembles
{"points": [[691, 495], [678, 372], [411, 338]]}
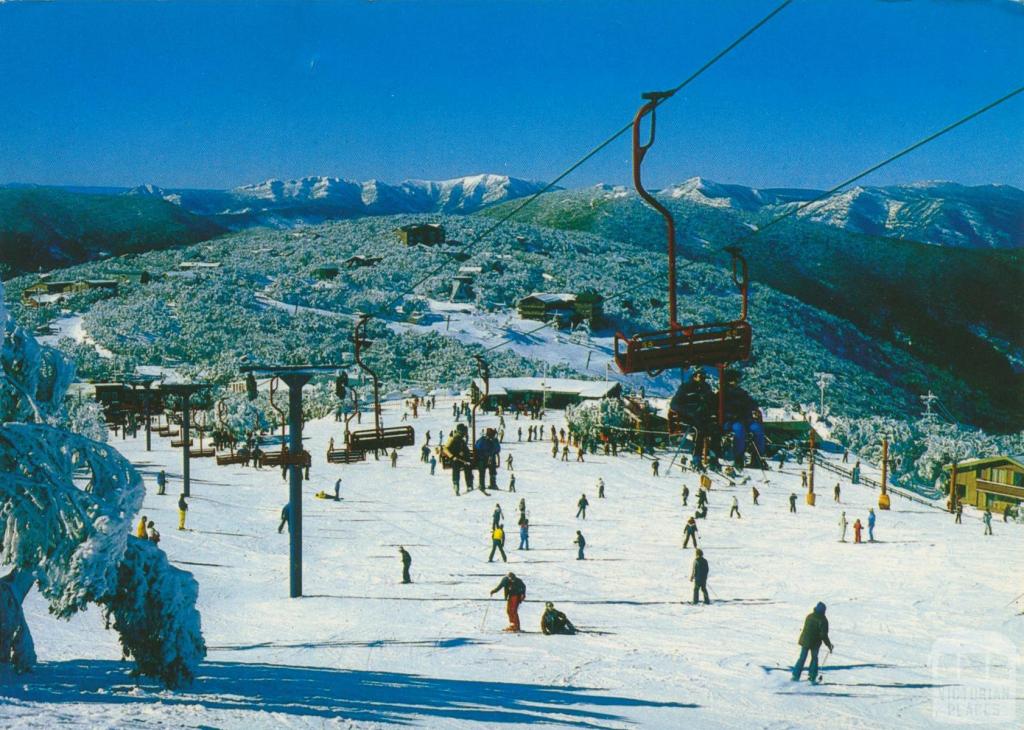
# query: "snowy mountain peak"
{"points": [[147, 190]]}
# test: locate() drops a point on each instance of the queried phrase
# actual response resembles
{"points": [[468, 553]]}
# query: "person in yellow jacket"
{"points": [[498, 543], [140, 531]]}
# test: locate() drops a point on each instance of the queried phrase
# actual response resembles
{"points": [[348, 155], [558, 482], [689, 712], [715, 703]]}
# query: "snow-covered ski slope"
{"points": [[362, 650]]}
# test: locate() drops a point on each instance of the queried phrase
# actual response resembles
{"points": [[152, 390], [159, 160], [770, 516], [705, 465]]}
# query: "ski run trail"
{"points": [[925, 623]]}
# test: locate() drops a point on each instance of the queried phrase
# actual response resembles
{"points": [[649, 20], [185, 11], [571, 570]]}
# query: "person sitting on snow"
{"points": [[554, 621]]}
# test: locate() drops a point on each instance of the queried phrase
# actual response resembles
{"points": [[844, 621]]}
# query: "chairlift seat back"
{"points": [[696, 345], [372, 439]]}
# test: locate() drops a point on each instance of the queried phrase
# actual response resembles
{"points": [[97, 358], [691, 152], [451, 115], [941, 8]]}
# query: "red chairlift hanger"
{"points": [[681, 346]]}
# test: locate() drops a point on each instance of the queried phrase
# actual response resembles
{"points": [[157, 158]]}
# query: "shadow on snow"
{"points": [[387, 697]]}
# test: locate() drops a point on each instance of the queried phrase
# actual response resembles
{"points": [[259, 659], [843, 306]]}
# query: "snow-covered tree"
{"points": [[66, 507], [591, 420]]}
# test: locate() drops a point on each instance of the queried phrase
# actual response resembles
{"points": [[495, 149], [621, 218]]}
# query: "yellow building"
{"points": [[995, 482]]}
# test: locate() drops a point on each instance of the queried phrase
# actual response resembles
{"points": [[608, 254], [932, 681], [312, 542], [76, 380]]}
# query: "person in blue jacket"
{"points": [[742, 419], [871, 525], [486, 452]]}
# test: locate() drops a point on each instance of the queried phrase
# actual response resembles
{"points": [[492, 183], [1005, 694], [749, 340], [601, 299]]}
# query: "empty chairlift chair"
{"points": [[378, 438], [346, 455]]}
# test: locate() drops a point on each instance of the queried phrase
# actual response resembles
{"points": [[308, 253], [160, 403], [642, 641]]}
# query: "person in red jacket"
{"points": [[857, 527], [515, 594]]}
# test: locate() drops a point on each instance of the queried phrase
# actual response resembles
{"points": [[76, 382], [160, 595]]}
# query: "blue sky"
{"points": [[209, 94]]}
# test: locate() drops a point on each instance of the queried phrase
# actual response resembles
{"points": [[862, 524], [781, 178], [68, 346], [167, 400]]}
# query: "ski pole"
{"points": [[760, 461], [486, 609]]}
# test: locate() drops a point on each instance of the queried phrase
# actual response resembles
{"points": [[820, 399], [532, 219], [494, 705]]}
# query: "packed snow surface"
{"points": [[923, 620]]}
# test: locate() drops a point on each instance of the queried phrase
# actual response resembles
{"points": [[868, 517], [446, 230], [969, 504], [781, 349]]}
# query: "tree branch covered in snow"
{"points": [[66, 505]]}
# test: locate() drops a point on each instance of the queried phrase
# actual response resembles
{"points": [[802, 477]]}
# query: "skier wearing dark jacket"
{"points": [[581, 506], [581, 543], [695, 404], [814, 634], [690, 533], [406, 562], [742, 419], [487, 449], [515, 594], [699, 576], [457, 450], [554, 621]]}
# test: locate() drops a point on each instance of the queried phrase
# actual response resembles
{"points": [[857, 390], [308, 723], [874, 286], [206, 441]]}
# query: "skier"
{"points": [[959, 512], [140, 531], [803, 479], [457, 450], [871, 525], [508, 462], [497, 516], [582, 507], [702, 497], [433, 464], [424, 453], [987, 519], [151, 534], [394, 458], [553, 621], [855, 473], [182, 509], [520, 431], [735, 508], [792, 502], [690, 533], [554, 449], [742, 418], [579, 454], [581, 542], [654, 467], [515, 594], [835, 492], [406, 562], [257, 457], [814, 634], [161, 482], [565, 453], [524, 533], [857, 527], [686, 494], [337, 489], [600, 488], [699, 577], [498, 543], [286, 518], [846, 456], [755, 494], [512, 483], [842, 527]]}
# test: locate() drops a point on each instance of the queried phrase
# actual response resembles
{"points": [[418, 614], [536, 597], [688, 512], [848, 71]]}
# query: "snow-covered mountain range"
{"points": [[313, 199], [944, 213], [940, 213]]}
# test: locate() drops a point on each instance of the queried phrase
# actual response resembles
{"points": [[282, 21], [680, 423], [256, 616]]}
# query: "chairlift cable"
{"points": [[477, 238]]}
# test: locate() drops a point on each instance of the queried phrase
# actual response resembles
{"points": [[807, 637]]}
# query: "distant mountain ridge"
{"points": [[942, 213], [314, 199]]}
